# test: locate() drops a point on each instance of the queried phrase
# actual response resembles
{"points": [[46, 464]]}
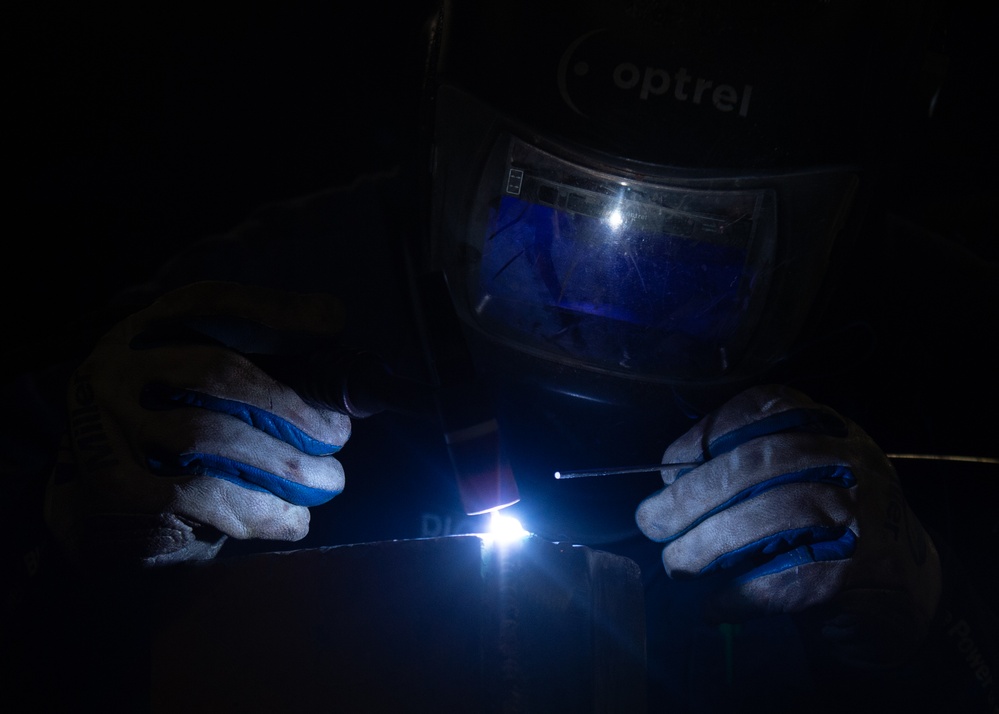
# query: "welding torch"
{"points": [[360, 385]]}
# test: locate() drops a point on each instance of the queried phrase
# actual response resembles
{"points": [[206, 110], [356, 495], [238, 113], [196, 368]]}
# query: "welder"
{"points": [[630, 233]]}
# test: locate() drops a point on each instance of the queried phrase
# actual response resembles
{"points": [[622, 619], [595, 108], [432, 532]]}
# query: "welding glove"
{"points": [[794, 509], [177, 440]]}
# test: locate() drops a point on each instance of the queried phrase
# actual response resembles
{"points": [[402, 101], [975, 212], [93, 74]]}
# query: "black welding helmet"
{"points": [[635, 203]]}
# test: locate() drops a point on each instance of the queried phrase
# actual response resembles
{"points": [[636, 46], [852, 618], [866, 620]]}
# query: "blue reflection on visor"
{"points": [[606, 289]]}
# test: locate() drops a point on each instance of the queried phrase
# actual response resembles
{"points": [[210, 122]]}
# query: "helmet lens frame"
{"points": [[649, 272]]}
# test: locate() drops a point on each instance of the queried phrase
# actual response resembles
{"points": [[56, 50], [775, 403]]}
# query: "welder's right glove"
{"points": [[177, 440], [803, 513]]}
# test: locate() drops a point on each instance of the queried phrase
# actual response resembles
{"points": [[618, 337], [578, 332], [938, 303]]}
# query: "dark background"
{"points": [[130, 132]]}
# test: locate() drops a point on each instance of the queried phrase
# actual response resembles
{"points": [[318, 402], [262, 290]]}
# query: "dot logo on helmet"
{"points": [[580, 68]]}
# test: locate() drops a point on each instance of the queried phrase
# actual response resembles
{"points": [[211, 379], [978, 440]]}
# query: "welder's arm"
{"points": [[794, 509], [177, 440]]}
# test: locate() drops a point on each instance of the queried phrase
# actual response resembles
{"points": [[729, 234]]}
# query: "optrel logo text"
{"points": [[587, 62]]}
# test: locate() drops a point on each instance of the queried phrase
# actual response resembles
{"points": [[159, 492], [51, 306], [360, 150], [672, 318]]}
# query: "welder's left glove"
{"points": [[794, 509], [179, 438]]}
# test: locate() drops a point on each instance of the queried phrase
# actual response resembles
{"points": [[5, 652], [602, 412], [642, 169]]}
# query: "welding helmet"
{"points": [[635, 205]]}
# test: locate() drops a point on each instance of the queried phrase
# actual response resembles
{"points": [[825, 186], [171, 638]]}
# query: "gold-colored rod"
{"points": [[653, 468]]}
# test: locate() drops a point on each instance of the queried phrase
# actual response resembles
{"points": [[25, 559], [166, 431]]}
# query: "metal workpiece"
{"points": [[452, 624]]}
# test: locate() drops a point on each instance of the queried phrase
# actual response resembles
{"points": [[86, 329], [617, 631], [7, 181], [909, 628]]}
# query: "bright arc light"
{"points": [[505, 528], [615, 219]]}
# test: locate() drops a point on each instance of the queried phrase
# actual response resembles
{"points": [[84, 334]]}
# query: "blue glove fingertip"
{"points": [[243, 475], [787, 549], [158, 396], [793, 420]]}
